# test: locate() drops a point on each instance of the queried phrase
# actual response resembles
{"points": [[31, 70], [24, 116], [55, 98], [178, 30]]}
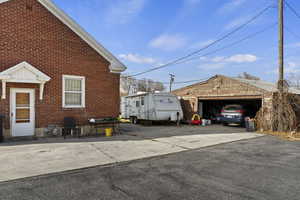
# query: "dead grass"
{"points": [[291, 136], [276, 118]]}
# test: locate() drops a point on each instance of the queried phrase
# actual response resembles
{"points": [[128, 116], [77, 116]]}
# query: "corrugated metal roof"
{"points": [[268, 86]]}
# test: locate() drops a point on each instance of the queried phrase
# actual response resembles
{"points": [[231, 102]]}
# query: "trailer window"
{"points": [[137, 104], [143, 101]]}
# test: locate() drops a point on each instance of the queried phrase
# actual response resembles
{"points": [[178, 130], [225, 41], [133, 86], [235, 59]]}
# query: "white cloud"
{"points": [[135, 58], [201, 44], [230, 6], [220, 62], [290, 68], [211, 66], [121, 11], [168, 42], [242, 58], [236, 22], [218, 59], [294, 45], [192, 2], [239, 58]]}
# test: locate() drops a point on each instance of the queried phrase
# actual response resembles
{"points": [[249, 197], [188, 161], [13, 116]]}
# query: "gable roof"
{"points": [[267, 86], [116, 66]]}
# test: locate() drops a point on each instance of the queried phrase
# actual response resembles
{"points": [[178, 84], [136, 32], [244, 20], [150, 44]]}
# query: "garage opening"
{"points": [[211, 109]]}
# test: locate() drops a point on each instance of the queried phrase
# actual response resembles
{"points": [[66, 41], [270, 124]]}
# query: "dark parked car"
{"points": [[233, 114]]}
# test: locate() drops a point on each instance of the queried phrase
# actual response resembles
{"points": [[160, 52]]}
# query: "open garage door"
{"points": [[211, 109]]}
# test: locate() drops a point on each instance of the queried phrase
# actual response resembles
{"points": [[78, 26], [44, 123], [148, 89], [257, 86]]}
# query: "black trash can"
{"points": [[1, 128]]}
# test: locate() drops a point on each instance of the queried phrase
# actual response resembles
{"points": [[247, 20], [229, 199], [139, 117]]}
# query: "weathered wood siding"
{"points": [[220, 86]]}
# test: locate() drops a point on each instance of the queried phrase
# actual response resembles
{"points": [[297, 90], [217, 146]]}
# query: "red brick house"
{"points": [[50, 68]]}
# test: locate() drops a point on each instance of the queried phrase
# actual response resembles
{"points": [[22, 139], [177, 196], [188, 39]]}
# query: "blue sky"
{"points": [[148, 33]]}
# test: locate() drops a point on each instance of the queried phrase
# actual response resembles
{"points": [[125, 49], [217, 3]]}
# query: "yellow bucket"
{"points": [[108, 132]]}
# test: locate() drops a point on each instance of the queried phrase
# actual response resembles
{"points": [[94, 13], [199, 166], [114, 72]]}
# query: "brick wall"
{"points": [[29, 32]]}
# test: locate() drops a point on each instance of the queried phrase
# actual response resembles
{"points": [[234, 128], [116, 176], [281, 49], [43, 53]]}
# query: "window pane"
{"points": [[22, 115], [73, 99], [73, 85], [143, 101], [22, 100]]}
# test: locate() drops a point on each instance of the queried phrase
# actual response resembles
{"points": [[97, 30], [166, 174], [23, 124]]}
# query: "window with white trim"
{"points": [[73, 91]]}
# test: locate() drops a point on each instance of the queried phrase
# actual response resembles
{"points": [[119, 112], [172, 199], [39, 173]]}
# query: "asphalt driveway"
{"points": [[261, 168], [159, 131], [52, 155]]}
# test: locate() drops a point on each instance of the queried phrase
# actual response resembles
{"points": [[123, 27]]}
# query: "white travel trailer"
{"points": [[151, 107]]}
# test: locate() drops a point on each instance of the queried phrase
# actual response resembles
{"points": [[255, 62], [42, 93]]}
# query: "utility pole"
{"points": [[281, 66], [172, 79], [281, 48]]}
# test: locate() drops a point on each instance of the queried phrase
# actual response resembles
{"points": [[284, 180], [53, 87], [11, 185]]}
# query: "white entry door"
{"points": [[22, 112]]}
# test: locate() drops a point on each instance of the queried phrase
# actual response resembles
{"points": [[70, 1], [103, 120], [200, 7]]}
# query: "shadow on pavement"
{"points": [[130, 132]]}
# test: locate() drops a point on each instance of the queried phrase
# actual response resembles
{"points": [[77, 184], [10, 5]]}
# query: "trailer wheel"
{"points": [[134, 120]]}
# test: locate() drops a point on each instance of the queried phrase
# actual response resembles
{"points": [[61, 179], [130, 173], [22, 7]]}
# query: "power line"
{"points": [[184, 82], [175, 82], [222, 48], [291, 32], [207, 46], [292, 9], [215, 51], [231, 44]]}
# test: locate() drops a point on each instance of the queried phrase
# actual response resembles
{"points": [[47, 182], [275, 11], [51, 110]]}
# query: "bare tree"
{"points": [[132, 85], [293, 80], [248, 76], [126, 84]]}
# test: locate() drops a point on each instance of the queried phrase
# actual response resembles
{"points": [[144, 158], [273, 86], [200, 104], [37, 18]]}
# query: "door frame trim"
{"points": [[30, 90]]}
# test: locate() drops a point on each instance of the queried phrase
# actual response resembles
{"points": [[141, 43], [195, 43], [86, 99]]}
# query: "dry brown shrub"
{"points": [[269, 118]]}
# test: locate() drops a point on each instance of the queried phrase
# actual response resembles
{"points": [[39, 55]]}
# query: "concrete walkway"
{"points": [[26, 159]]}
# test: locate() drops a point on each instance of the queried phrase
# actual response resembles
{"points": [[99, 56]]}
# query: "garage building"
{"points": [[207, 98]]}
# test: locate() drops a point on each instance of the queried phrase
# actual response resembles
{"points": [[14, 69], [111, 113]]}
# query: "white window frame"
{"points": [[82, 78]]}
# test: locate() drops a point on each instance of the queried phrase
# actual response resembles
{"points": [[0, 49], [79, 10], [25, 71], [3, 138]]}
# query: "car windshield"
{"points": [[233, 107]]}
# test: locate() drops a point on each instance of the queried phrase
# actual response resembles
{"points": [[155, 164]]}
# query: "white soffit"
{"points": [[24, 73], [116, 66]]}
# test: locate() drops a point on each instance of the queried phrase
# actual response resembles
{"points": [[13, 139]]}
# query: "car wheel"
{"points": [[225, 124]]}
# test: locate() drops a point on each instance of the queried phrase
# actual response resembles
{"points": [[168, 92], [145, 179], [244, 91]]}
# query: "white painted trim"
{"points": [[32, 106], [82, 78], [42, 86], [7, 76], [41, 77], [116, 66], [3, 89]]}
